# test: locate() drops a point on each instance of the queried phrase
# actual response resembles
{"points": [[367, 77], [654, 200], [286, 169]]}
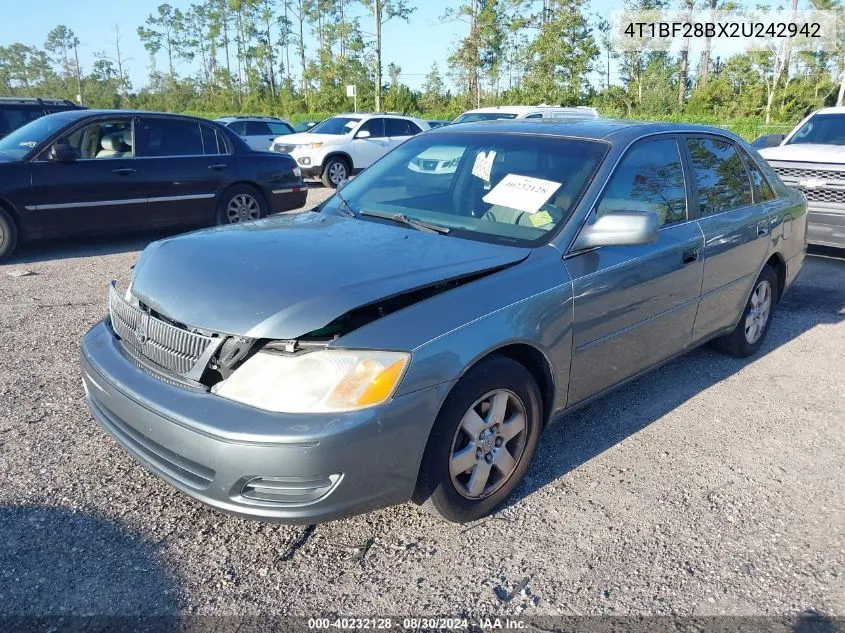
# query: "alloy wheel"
{"points": [[488, 444], [758, 315], [242, 208], [337, 172]]}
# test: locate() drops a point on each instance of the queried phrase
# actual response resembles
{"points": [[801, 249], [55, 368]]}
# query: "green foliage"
{"points": [[294, 58]]}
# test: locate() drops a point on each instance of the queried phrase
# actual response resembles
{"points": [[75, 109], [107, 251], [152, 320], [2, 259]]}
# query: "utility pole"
{"points": [[79, 94]]}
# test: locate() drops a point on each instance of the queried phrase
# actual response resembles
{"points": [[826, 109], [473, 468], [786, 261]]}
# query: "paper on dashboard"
{"points": [[522, 193]]}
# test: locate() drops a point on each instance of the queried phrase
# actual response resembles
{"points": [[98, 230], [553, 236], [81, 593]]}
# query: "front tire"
{"points": [[335, 171], [8, 234], [482, 441], [756, 318], [241, 203]]}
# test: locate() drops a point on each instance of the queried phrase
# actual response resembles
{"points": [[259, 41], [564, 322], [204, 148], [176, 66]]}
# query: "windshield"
{"points": [[504, 188], [469, 117], [336, 125], [21, 141], [825, 129]]}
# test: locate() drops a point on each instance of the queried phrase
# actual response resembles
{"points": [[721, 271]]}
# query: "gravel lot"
{"points": [[712, 486]]}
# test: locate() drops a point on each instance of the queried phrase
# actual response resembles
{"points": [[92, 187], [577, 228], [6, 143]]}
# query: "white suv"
{"points": [[347, 143]]}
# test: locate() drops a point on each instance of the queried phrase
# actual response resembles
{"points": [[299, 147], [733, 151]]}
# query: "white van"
{"points": [[542, 111]]}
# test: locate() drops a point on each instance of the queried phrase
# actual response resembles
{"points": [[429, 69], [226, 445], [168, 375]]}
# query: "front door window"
{"points": [[111, 138]]}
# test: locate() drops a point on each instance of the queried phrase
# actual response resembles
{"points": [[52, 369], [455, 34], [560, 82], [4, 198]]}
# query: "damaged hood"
{"points": [[284, 277]]}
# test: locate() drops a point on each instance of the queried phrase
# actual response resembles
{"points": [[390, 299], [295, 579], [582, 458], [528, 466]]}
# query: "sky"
{"points": [[414, 46]]}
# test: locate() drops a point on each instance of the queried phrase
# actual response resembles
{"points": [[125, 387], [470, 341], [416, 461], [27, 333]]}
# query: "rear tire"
{"points": [[335, 171], [756, 318], [240, 203], [482, 441], [8, 234]]}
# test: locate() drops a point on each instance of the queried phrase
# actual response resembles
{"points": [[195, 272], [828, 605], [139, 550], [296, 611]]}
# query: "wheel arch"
{"points": [[338, 154], [9, 208], [534, 360], [778, 264], [248, 183]]}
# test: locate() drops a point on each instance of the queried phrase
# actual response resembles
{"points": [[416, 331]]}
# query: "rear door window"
{"points": [[719, 175], [169, 137], [257, 128], [762, 191], [400, 127], [212, 141]]}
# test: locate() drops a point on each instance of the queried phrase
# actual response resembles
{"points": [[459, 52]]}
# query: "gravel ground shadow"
{"points": [[88, 246], [54, 562], [582, 434]]}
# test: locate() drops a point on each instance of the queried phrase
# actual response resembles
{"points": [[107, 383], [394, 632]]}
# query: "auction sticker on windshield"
{"points": [[522, 193]]}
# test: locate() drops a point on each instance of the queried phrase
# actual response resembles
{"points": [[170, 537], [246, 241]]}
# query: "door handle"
{"points": [[218, 166], [691, 255], [123, 171]]}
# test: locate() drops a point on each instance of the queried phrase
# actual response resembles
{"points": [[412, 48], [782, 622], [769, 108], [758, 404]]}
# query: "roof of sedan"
{"points": [[80, 113], [606, 129]]}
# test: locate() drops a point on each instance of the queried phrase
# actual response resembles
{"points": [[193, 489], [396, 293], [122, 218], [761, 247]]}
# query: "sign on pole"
{"points": [[352, 92]]}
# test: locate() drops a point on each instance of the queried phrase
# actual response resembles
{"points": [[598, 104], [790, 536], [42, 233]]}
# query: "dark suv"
{"points": [[18, 111]]}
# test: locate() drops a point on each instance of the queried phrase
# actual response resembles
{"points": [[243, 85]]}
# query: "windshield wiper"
{"points": [[401, 218], [344, 206]]}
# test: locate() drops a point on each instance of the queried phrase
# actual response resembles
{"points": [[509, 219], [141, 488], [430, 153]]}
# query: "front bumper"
{"points": [[826, 226], [314, 171], [314, 468], [288, 198]]}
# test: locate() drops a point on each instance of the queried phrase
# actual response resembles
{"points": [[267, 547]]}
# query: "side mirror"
{"points": [[770, 140], [62, 153], [619, 228], [363, 134]]}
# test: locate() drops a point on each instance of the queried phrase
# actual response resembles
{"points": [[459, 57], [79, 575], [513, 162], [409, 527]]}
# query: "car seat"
{"points": [[115, 145]]}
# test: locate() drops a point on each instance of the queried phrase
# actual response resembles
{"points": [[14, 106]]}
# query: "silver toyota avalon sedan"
{"points": [[411, 338]]}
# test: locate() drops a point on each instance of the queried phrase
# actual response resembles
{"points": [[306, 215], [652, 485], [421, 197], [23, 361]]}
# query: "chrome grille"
{"points": [[794, 173], [285, 149], [167, 346], [831, 196]]}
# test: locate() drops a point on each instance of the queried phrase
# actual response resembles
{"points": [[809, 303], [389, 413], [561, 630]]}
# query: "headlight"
{"points": [[325, 380], [315, 145]]}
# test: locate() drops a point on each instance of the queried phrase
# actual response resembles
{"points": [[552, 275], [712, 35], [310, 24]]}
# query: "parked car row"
{"points": [[412, 343], [345, 144]]}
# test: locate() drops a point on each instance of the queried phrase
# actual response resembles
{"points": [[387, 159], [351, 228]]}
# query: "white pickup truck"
{"points": [[811, 158]]}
